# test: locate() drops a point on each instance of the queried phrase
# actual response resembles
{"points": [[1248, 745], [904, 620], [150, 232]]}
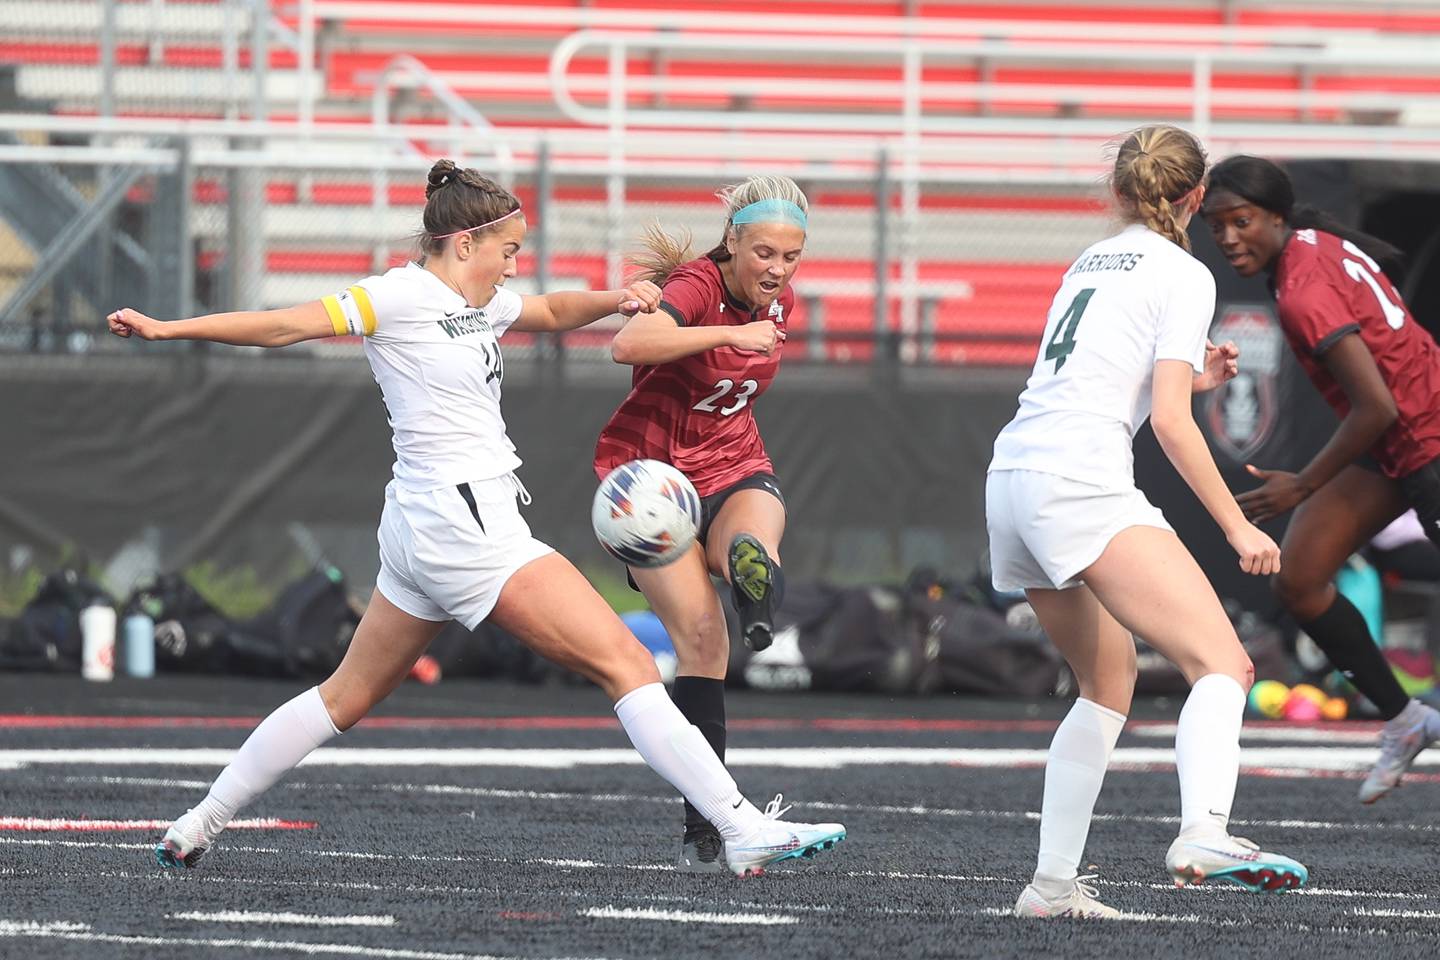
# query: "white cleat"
{"points": [[1219, 856], [1082, 902], [1404, 736], [773, 840], [185, 842]]}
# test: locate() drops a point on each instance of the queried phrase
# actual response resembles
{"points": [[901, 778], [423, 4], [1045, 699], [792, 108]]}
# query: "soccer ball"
{"points": [[645, 514]]}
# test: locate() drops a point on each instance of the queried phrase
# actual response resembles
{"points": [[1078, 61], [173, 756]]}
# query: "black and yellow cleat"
{"points": [[752, 578]]}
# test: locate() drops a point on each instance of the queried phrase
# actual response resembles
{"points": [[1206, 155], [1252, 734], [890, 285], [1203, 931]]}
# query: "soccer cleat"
{"points": [[1219, 856], [702, 851], [752, 580], [184, 843], [772, 840], [1404, 736], [1082, 902]]}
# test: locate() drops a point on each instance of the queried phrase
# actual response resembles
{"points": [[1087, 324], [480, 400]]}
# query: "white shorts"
{"points": [[445, 558], [1046, 529]]}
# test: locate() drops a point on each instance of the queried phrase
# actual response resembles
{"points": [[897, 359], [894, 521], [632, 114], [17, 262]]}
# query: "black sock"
{"points": [[777, 585], [1342, 633], [701, 700]]}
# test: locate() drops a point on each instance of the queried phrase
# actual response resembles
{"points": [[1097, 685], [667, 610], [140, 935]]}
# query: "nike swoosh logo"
{"points": [[737, 804]]}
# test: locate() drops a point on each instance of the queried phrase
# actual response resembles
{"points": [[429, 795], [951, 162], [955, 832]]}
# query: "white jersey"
{"points": [[1125, 303], [437, 361]]}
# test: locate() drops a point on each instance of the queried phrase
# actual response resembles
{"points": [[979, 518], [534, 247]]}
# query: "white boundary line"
{"points": [[584, 865], [1306, 759], [81, 932], [612, 912], [292, 919], [918, 810]]}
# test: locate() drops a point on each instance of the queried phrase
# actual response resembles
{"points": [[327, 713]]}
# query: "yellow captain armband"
{"points": [[352, 314]]}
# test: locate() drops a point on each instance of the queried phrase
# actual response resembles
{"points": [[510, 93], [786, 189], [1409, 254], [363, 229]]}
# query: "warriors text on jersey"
{"points": [[696, 413], [1126, 303], [1327, 288], [437, 361]]}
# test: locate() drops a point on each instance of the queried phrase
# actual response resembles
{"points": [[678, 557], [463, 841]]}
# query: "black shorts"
{"points": [[710, 506], [1422, 489]]}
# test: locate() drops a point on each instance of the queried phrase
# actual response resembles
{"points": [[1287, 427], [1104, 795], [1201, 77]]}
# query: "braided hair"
{"points": [[1154, 168]]}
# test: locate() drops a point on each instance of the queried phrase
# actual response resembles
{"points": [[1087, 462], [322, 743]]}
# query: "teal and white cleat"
{"points": [[184, 843], [774, 840], [1219, 856]]}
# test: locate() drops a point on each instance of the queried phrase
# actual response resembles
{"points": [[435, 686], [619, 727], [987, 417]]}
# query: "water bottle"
{"points": [[97, 641], [139, 633]]}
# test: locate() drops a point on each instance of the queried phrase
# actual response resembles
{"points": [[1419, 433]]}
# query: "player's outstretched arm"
{"points": [[1174, 425], [245, 328], [571, 309]]}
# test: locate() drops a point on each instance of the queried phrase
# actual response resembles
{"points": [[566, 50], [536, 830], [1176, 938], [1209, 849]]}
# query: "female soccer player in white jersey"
{"points": [[1126, 338], [453, 544]]}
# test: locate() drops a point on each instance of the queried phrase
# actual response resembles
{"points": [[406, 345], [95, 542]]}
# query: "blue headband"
{"points": [[772, 210]]}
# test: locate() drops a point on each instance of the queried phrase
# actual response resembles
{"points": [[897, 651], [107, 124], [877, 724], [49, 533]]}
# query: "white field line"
{"points": [[292, 919], [1335, 734], [1405, 914], [917, 810], [1268, 924], [163, 782], [49, 824], [83, 934], [564, 864], [685, 916], [1322, 759]]}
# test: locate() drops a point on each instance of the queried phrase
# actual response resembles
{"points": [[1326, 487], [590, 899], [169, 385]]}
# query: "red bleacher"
{"points": [[1001, 315]]}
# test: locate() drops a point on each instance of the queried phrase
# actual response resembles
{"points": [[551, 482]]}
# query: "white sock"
{"points": [[677, 751], [1074, 770], [1207, 752], [281, 741]]}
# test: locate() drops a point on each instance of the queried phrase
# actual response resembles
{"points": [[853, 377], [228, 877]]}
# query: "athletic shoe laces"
{"points": [[774, 810], [1087, 890]]}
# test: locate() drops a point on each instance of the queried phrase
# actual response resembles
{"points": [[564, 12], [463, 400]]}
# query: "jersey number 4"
{"points": [[1062, 343], [723, 387], [1394, 315]]}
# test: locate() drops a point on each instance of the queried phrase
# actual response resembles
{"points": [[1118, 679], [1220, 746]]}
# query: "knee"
{"points": [[1235, 664], [345, 707], [1301, 593], [1112, 688], [631, 666], [703, 641], [1246, 677]]}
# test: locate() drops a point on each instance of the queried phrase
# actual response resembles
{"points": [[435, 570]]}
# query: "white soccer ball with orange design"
{"points": [[646, 513]]}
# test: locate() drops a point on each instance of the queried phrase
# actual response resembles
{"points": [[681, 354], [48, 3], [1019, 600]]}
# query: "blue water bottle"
{"points": [[139, 635]]}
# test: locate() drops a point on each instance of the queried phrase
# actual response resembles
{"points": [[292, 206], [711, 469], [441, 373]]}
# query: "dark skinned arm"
{"points": [[1372, 411]]}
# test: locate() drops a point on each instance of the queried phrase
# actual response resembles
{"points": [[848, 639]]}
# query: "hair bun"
{"points": [[443, 172]]}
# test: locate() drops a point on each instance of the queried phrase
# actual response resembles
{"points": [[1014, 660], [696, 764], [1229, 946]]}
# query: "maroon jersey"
{"points": [[1327, 288], [697, 413]]}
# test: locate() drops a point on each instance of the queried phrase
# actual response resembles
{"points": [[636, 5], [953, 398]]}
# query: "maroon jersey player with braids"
{"points": [[701, 361]]}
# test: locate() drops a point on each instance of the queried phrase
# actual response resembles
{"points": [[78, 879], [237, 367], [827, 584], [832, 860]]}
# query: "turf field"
{"points": [[477, 820]]}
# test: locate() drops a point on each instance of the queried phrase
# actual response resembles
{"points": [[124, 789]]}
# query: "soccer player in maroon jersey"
{"points": [[701, 361], [1380, 371]]}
